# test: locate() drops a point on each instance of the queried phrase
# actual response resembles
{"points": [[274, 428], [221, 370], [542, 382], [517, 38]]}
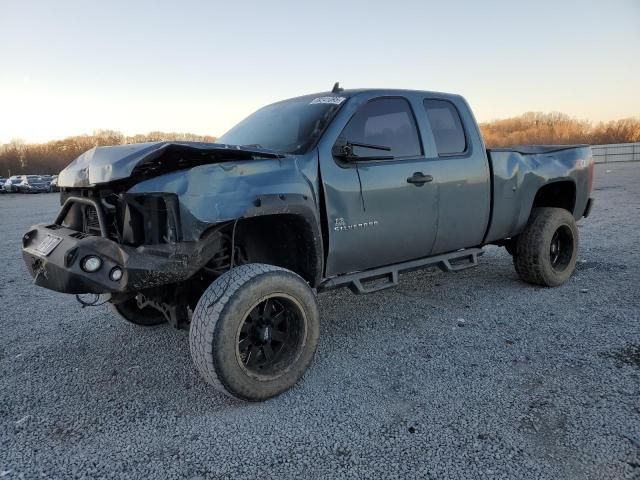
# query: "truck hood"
{"points": [[107, 164]]}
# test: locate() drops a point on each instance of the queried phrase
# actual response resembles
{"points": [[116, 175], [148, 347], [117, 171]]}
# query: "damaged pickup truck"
{"points": [[346, 188]]}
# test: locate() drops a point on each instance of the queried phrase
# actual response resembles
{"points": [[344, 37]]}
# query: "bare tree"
{"points": [[557, 129]]}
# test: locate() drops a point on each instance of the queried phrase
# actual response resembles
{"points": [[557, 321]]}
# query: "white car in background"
{"points": [[11, 184]]}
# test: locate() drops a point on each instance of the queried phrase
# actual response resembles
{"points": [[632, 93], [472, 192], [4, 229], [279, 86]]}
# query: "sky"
{"points": [[72, 67]]}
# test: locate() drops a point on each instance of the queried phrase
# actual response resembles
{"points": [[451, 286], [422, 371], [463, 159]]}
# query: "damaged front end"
{"points": [[153, 224], [126, 246], [136, 239]]}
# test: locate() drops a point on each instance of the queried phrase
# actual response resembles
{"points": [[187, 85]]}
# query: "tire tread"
{"points": [[209, 310], [528, 260]]}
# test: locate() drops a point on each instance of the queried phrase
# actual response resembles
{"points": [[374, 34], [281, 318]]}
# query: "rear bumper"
{"points": [[587, 209], [143, 267]]}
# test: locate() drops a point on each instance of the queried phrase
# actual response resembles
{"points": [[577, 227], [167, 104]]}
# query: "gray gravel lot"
{"points": [[468, 375]]}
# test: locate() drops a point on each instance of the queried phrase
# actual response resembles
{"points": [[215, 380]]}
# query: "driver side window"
{"points": [[387, 122]]}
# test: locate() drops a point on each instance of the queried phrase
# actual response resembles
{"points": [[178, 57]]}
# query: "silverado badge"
{"points": [[341, 225]]}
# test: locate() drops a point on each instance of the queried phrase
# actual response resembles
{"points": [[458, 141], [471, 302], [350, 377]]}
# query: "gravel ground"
{"points": [[468, 375]]}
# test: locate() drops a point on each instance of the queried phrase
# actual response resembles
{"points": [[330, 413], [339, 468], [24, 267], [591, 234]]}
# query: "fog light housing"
{"points": [[91, 263], [116, 274]]}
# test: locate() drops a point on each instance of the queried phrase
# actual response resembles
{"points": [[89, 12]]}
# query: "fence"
{"points": [[616, 152]]}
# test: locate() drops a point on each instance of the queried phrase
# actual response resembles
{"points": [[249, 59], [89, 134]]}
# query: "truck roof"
{"points": [[352, 92]]}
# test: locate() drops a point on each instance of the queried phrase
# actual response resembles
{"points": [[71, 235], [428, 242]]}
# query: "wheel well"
{"points": [[284, 240], [558, 194]]}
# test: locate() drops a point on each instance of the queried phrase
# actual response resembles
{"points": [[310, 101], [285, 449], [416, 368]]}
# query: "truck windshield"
{"points": [[291, 126]]}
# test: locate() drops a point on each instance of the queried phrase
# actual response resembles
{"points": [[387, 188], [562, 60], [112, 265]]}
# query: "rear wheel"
{"points": [[254, 332], [146, 317], [547, 249]]}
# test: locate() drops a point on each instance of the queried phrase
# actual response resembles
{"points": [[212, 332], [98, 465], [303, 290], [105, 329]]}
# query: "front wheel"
{"points": [[254, 331], [547, 249]]}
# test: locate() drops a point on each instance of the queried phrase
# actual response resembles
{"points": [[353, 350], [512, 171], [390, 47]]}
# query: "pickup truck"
{"points": [[235, 239]]}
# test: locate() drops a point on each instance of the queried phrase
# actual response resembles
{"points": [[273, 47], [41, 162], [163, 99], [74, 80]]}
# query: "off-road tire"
{"points": [[533, 260], [220, 314], [147, 317]]}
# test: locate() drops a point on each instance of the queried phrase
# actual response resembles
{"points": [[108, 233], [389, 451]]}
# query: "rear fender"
{"points": [[518, 178]]}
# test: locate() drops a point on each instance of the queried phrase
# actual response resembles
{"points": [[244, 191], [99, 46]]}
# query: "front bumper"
{"points": [[143, 267]]}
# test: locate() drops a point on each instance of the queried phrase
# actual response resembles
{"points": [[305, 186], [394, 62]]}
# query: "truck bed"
{"points": [[520, 172]]}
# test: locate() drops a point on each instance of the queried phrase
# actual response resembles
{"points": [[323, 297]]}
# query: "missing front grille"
{"points": [[91, 222]]}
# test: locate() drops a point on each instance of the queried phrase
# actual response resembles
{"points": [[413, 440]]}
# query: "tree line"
{"points": [[18, 157], [557, 129]]}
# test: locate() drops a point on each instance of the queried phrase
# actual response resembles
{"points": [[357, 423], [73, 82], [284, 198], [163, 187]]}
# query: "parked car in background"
{"points": [[47, 179], [11, 184], [33, 184], [53, 185], [2, 180]]}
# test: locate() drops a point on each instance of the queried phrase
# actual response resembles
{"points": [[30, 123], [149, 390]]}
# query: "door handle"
{"points": [[419, 179]]}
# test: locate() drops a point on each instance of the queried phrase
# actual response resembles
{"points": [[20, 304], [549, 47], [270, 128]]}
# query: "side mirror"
{"points": [[343, 152]]}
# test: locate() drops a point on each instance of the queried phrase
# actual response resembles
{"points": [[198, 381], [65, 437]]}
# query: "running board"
{"points": [[377, 279]]}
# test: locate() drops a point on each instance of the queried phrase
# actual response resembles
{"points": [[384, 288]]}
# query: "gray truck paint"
{"points": [[475, 198]]}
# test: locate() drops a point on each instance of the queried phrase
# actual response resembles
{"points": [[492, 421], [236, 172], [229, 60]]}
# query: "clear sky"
{"points": [[70, 67]]}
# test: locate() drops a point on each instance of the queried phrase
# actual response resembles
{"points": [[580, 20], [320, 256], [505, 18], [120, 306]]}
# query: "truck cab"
{"points": [[429, 193]]}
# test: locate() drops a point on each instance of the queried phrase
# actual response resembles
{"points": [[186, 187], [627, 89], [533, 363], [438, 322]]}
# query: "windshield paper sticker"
{"points": [[332, 100]]}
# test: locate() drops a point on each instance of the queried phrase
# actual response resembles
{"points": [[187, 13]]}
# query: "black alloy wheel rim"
{"points": [[271, 336], [561, 248]]}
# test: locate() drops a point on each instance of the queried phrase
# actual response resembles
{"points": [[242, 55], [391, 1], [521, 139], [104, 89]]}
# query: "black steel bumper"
{"points": [[143, 267]]}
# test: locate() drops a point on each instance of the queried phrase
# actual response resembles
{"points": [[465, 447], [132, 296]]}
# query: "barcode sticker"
{"points": [[331, 100]]}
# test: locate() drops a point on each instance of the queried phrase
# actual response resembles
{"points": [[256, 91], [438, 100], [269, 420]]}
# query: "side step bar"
{"points": [[358, 282]]}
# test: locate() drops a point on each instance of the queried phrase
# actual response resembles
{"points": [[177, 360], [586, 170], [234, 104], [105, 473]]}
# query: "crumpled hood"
{"points": [[107, 164]]}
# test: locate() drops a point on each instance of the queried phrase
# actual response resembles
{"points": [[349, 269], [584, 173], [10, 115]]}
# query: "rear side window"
{"points": [[446, 127], [385, 122]]}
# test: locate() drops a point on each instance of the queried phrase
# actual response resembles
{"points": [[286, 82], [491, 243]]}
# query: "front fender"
{"points": [[216, 193], [223, 192]]}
